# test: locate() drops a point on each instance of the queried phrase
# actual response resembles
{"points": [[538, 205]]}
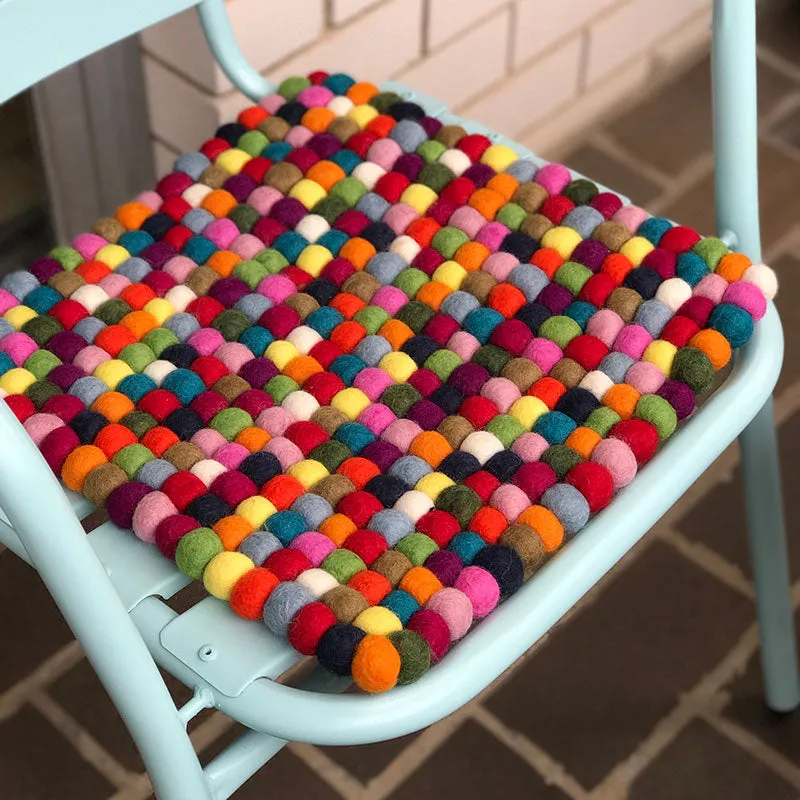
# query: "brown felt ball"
{"points": [[527, 543], [455, 429], [109, 228], [282, 176], [568, 371], [214, 176], [345, 602], [625, 302], [333, 488], [230, 387], [329, 419], [362, 285], [612, 234], [530, 196], [66, 282], [479, 284], [343, 128], [522, 372], [304, 304], [536, 226], [450, 135], [274, 128], [184, 455], [100, 482], [393, 565], [201, 280]]}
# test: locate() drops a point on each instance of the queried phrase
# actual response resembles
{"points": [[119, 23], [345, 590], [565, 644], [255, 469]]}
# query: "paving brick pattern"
{"points": [[650, 690]]}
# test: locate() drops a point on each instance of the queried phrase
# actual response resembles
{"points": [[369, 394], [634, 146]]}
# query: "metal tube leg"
{"points": [[767, 536]]}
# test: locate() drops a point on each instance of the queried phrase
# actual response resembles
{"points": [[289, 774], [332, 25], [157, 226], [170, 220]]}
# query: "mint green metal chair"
{"points": [[109, 585]]}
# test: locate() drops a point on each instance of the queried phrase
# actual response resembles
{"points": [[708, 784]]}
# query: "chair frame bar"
{"points": [[122, 645]]}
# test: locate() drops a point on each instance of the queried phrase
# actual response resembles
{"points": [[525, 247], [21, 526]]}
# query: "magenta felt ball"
{"points": [[747, 296], [316, 547], [632, 340], [170, 530], [535, 478], [481, 588], [233, 487], [618, 459], [433, 629]]}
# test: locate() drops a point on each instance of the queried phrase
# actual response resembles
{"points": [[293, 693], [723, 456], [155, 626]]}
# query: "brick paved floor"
{"points": [[649, 691]]}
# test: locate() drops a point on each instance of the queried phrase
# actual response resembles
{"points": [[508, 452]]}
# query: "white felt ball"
{"points": [[90, 296], [317, 581], [179, 297], [405, 247], [414, 504], [764, 277], [673, 293], [312, 226], [208, 470], [304, 338], [596, 382], [368, 172], [301, 405], [483, 445], [158, 370], [457, 160], [196, 193], [340, 105]]}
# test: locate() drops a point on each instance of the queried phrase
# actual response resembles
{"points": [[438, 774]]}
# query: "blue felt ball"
{"points": [[286, 525], [481, 322], [402, 604], [555, 426], [733, 322], [466, 545], [653, 229]]}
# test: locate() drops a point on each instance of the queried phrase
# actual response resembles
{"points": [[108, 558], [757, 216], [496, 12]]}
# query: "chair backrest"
{"points": [[40, 37]]}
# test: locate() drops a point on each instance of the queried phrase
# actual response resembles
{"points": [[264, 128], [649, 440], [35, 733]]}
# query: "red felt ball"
{"points": [[474, 145], [587, 350], [174, 184], [698, 309], [64, 406], [160, 282], [268, 230], [512, 335], [205, 310], [478, 411], [597, 289], [548, 390], [233, 487], [640, 436], [282, 491], [306, 435], [288, 563], [661, 261], [21, 406], [177, 236], [359, 506], [433, 629], [114, 338], [209, 369], [372, 585], [489, 524], [159, 439], [535, 478], [170, 531], [57, 445], [325, 352], [367, 545], [483, 483], [253, 401], [425, 381], [212, 148], [318, 76], [324, 386], [428, 260], [439, 525], [182, 488], [556, 207], [159, 404], [251, 591], [257, 168], [308, 626], [207, 405], [391, 185], [679, 330], [459, 190], [594, 482], [280, 320], [360, 142], [68, 312], [679, 239], [175, 207], [338, 270]]}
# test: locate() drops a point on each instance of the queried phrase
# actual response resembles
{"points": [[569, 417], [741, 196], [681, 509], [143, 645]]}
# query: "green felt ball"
{"points": [[372, 318], [331, 454], [330, 208], [41, 391], [251, 272], [232, 323], [349, 189], [581, 191], [343, 564], [273, 260], [658, 412], [460, 501], [112, 311], [137, 356], [711, 250], [436, 176], [42, 328], [573, 276], [400, 397], [415, 656], [415, 314], [40, 362], [292, 86], [561, 459], [602, 420], [694, 368], [159, 339], [244, 217], [506, 428], [383, 101], [132, 458], [492, 358], [230, 422], [416, 547], [279, 387], [68, 257], [139, 422], [195, 549], [448, 240], [410, 281], [430, 150], [559, 329], [512, 216], [443, 362], [252, 142]]}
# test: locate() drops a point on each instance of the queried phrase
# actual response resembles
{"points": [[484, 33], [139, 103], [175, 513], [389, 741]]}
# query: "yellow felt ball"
{"points": [[16, 380], [111, 372], [351, 402], [363, 115], [19, 316], [160, 309], [378, 620], [256, 510], [223, 571], [280, 353], [112, 255], [232, 160], [419, 197], [398, 366], [635, 249], [662, 354], [308, 192], [561, 239], [499, 157], [313, 259], [309, 472], [451, 274], [526, 410], [433, 484]]}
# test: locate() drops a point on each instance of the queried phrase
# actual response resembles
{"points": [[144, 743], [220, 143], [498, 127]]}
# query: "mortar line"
{"points": [[334, 774]]}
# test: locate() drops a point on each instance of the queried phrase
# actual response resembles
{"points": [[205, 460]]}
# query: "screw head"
{"points": [[207, 653]]}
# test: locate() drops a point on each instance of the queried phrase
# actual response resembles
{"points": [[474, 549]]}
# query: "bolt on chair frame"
{"points": [[114, 608]]}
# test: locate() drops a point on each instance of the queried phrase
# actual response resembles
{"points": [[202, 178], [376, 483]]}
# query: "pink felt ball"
{"points": [[712, 286], [316, 547], [632, 340], [401, 433], [553, 177], [530, 446], [509, 500], [481, 589], [645, 377], [288, 453], [209, 441], [377, 418], [631, 217], [455, 608], [605, 325], [618, 458], [502, 392], [747, 296], [500, 265], [39, 425], [544, 353], [150, 512], [373, 382], [206, 341], [275, 420]]}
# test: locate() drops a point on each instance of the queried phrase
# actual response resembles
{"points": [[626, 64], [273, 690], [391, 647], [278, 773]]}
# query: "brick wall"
{"points": [[541, 71]]}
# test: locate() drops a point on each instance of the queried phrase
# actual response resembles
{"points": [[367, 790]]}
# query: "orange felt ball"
{"points": [[79, 463], [362, 92], [282, 491], [132, 215], [317, 119], [431, 447], [219, 203], [376, 664], [359, 471], [421, 584], [487, 202], [159, 439], [348, 305], [337, 528], [251, 591], [372, 585], [254, 439], [617, 266], [548, 260], [223, 262], [232, 530], [732, 266], [301, 368], [714, 345], [471, 255], [347, 335], [137, 295], [396, 332], [433, 294], [381, 125], [113, 438], [326, 174], [358, 252], [622, 398], [504, 184], [139, 323], [546, 524], [488, 523], [583, 441], [113, 406], [506, 299]]}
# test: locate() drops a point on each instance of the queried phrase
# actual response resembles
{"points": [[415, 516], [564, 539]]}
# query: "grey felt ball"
{"points": [[284, 602], [386, 267], [653, 315], [193, 164], [530, 280], [569, 505], [259, 546], [616, 365]]}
